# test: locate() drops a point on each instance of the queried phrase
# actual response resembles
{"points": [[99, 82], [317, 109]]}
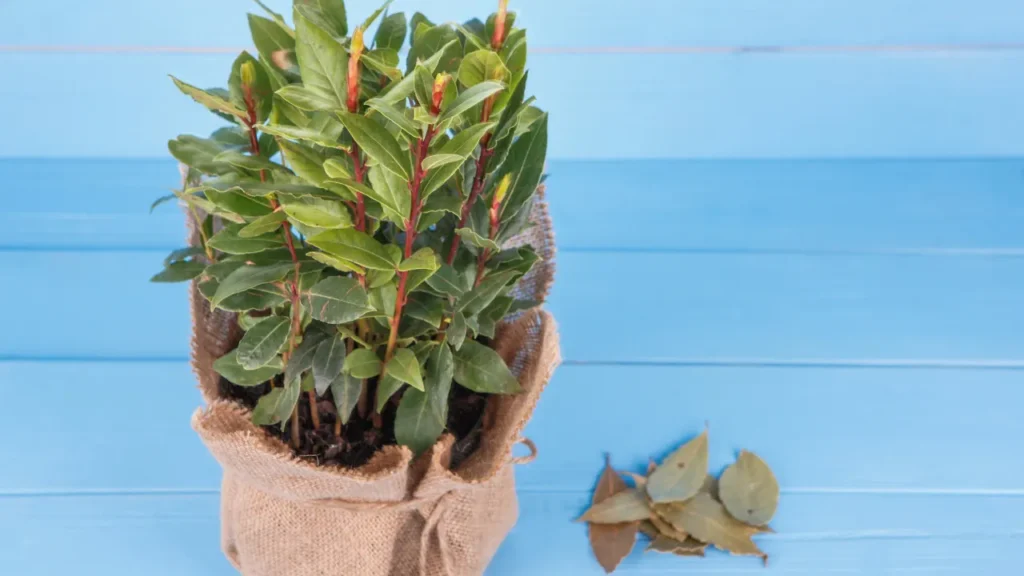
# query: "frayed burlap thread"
{"points": [[396, 515]]}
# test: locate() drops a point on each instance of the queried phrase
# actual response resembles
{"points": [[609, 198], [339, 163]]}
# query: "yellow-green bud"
{"points": [[248, 73]]}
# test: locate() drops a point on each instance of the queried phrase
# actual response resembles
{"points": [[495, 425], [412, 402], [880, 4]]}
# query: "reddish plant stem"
{"points": [[286, 230], [422, 148], [474, 193]]}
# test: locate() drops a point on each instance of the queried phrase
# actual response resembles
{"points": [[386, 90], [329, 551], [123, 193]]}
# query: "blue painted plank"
{"points": [[563, 23], [675, 106], [889, 431], [686, 205], [694, 307], [858, 535]]}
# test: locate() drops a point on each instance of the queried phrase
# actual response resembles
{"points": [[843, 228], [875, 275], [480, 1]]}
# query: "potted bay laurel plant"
{"points": [[368, 251]]}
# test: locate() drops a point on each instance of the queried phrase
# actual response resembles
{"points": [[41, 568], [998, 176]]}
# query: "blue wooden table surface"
{"points": [[799, 221]]}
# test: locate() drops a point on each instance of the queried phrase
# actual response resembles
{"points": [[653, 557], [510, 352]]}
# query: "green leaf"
{"points": [[336, 263], [363, 363], [327, 362], [456, 332], [239, 204], [279, 19], [198, 153], [422, 259], [448, 282], [338, 169], [160, 201], [391, 33], [443, 203], [323, 62], [437, 160], [229, 367], [179, 271], [236, 158], [270, 38], [481, 66], [383, 299], [229, 242], [261, 344], [424, 307], [630, 505], [306, 99], [441, 40], [525, 164], [422, 416], [706, 520], [277, 405], [386, 388], [749, 490], [211, 101], [261, 92], [262, 189], [479, 368], [354, 246], [391, 192], [310, 135], [405, 87], [375, 14], [346, 391], [682, 474], [302, 359], [474, 239], [246, 277], [332, 12], [463, 144], [471, 97], [482, 295], [182, 254], [305, 161], [395, 115], [383, 61], [377, 142], [406, 368], [318, 212], [262, 225], [338, 300]]}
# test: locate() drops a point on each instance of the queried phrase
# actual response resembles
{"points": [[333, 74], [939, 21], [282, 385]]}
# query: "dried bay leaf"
{"points": [[682, 474], [711, 487], [707, 520], [749, 490], [687, 547], [627, 506], [611, 542], [664, 526]]}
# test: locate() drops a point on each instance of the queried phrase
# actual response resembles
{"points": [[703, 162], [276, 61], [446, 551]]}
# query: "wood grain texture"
{"points": [[823, 430], [720, 206], [562, 23], [675, 106], [170, 535]]}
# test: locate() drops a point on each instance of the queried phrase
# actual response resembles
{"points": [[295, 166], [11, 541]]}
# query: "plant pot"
{"points": [[396, 515]]}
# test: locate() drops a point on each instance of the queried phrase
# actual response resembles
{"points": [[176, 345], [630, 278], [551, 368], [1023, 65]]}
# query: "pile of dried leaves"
{"points": [[681, 508]]}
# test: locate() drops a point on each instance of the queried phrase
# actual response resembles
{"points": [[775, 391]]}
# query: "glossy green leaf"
{"points": [[301, 359], [626, 506], [262, 94], [405, 87], [447, 281], [440, 39], [307, 163], [211, 101], [327, 362], [332, 12], [318, 212], [395, 115], [473, 239], [383, 299], [354, 246], [424, 307], [525, 164], [392, 192], [437, 160], [270, 38], [422, 259], [481, 66], [682, 474], [391, 33], [346, 391], [749, 490], [306, 134], [246, 277], [338, 168], [277, 405], [179, 271], [456, 332], [323, 62], [262, 225], [404, 367], [229, 242], [386, 388], [479, 368], [471, 97], [377, 142], [338, 300], [246, 161], [262, 343], [239, 203], [463, 144], [229, 367], [482, 295], [363, 363], [336, 263], [422, 416], [306, 99]]}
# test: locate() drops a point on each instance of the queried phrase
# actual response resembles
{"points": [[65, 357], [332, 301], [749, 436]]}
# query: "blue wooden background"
{"points": [[801, 221]]}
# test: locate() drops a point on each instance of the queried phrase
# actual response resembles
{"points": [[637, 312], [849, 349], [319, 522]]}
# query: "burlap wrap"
{"points": [[396, 515]]}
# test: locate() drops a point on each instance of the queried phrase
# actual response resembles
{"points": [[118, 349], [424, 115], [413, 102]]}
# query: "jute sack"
{"points": [[396, 515]]}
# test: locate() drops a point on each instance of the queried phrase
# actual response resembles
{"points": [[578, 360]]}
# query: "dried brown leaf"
{"points": [[711, 486], [749, 490], [630, 505], [707, 520], [665, 527], [611, 542], [687, 547]]}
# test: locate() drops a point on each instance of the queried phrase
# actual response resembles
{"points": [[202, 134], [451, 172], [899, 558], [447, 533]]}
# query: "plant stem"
{"points": [[289, 241], [478, 180], [202, 234]]}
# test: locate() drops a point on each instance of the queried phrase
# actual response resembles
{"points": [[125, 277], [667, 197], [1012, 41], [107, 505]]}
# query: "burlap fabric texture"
{"points": [[397, 515]]}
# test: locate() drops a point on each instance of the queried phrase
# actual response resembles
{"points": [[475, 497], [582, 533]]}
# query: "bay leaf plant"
{"points": [[681, 508], [353, 211]]}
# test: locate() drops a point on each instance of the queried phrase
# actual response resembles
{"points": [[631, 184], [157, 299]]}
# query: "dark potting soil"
{"points": [[361, 438]]}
